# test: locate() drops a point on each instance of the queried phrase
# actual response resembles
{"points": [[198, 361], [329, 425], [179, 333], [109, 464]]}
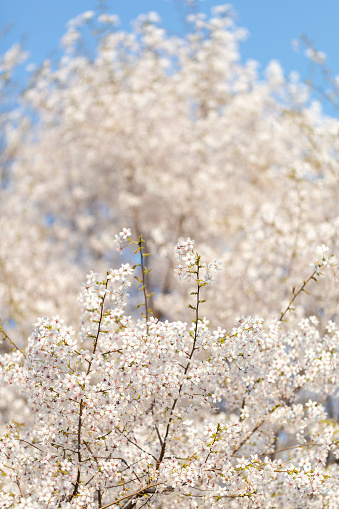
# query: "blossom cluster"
{"points": [[127, 413], [185, 252], [122, 237]]}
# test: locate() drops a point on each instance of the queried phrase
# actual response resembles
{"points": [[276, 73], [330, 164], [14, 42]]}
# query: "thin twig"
{"points": [[11, 341], [142, 490], [295, 294]]}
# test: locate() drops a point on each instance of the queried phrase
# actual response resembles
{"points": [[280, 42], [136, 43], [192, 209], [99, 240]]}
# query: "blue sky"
{"points": [[272, 24]]}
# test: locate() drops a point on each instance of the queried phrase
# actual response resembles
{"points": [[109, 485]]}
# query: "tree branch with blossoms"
{"points": [[325, 261]]}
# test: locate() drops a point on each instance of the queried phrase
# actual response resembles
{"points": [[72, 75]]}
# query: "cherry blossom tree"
{"points": [[148, 413], [176, 137]]}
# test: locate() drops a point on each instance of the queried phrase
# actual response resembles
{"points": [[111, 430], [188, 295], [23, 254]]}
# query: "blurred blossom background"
{"points": [[177, 119], [274, 28]]}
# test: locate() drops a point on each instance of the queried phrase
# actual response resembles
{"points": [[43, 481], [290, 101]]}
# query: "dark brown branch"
{"points": [[81, 405], [163, 448]]}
